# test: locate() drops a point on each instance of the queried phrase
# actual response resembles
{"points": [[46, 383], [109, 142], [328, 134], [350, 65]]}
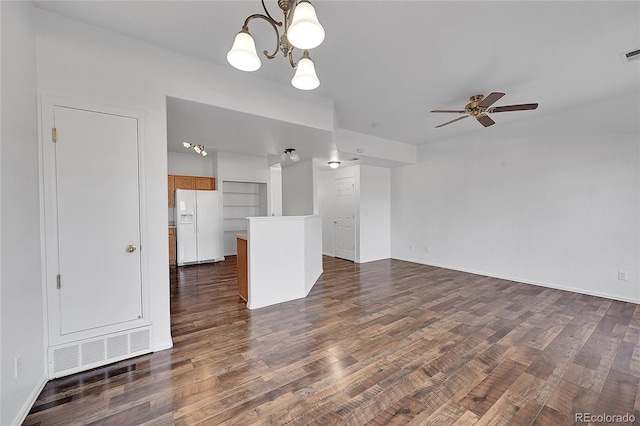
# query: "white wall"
{"points": [[375, 213], [274, 201], [83, 62], [552, 200], [190, 164], [242, 168], [325, 209], [284, 258], [297, 189], [22, 319], [374, 148]]}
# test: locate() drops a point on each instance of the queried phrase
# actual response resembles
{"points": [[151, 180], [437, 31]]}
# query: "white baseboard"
{"points": [[161, 346], [520, 280], [33, 396]]}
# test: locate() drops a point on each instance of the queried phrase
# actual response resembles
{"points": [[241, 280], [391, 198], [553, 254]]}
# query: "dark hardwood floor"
{"points": [[386, 342]]}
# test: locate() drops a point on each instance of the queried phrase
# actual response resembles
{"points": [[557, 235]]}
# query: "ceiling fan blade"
{"points": [[452, 121], [521, 107], [449, 110], [490, 99], [485, 120]]}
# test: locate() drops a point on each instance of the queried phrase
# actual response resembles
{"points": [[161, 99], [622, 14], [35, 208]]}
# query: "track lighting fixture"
{"points": [[196, 147]]}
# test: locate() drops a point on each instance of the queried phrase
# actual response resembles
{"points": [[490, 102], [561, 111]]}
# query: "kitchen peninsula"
{"points": [[283, 258]]}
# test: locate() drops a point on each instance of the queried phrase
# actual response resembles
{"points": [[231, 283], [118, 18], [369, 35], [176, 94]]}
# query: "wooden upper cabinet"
{"points": [[189, 182], [185, 182], [172, 188], [206, 183]]}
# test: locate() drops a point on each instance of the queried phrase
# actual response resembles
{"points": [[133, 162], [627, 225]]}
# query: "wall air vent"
{"points": [[633, 55], [84, 355]]}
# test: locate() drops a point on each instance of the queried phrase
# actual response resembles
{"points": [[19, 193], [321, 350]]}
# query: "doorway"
{"points": [[344, 218]]}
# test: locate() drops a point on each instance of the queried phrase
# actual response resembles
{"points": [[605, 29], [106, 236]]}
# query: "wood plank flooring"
{"points": [[382, 343]]}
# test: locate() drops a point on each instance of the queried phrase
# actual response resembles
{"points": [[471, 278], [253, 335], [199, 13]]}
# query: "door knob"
{"points": [[131, 248]]}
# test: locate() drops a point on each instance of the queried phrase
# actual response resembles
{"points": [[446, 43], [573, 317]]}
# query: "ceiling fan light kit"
{"points": [[302, 30], [480, 106]]}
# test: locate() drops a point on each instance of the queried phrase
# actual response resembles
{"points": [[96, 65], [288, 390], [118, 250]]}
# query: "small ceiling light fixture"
{"points": [[334, 164], [197, 148], [291, 152], [301, 30]]}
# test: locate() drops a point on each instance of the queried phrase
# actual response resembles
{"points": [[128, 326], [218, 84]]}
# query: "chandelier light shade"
{"points": [[305, 32], [305, 77], [243, 54], [300, 29]]}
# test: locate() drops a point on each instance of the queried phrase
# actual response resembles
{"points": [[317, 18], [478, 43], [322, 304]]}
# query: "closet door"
{"points": [[92, 204]]}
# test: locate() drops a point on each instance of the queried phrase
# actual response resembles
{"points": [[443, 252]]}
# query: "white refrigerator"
{"points": [[198, 226]]}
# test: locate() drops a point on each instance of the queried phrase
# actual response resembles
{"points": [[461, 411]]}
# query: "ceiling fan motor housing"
{"points": [[472, 107]]}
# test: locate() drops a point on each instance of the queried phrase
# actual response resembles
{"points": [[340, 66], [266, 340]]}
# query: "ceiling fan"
{"points": [[480, 106]]}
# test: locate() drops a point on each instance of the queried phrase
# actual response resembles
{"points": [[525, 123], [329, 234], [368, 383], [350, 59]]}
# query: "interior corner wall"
{"points": [[552, 200], [375, 213], [22, 319], [297, 189]]}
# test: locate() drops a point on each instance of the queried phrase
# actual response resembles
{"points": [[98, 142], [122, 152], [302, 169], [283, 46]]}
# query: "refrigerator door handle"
{"points": [[195, 217]]}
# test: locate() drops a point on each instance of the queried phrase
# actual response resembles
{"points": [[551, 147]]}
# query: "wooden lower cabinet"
{"points": [[172, 189], [173, 257], [243, 284]]}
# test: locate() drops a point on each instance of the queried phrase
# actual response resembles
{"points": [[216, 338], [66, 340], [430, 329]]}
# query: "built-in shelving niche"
{"points": [[239, 201]]}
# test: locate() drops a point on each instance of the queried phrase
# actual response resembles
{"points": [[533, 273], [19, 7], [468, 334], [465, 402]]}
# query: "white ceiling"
{"points": [[391, 62]]}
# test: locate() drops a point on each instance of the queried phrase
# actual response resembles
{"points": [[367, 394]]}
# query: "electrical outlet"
{"points": [[17, 366], [622, 275], [426, 249], [411, 247]]}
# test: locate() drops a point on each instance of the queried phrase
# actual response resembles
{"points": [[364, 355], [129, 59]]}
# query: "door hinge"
{"points": [[58, 281], [54, 134]]}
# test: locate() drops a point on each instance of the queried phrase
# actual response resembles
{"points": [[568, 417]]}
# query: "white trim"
{"points": [[531, 282], [31, 399], [168, 344]]}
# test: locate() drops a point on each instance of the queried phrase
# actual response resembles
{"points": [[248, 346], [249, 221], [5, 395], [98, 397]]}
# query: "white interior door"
{"points": [[98, 219], [208, 227], [344, 218]]}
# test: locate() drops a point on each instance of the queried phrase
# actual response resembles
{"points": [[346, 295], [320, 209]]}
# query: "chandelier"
{"points": [[196, 147], [301, 30]]}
